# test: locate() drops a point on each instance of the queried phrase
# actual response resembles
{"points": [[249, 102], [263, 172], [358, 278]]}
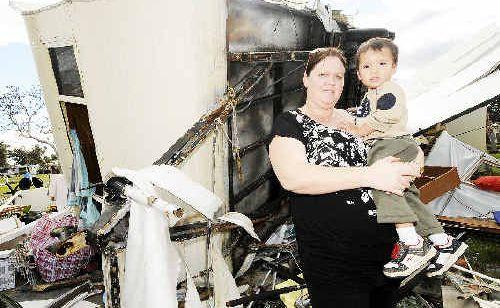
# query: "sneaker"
{"points": [[447, 256], [407, 259]]}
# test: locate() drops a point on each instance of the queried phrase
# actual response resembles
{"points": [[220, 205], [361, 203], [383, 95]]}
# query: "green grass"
{"points": [[483, 255], [484, 170], [495, 170], [15, 179]]}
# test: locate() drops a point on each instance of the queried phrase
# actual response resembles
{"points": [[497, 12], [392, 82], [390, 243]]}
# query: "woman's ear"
{"points": [[305, 80]]}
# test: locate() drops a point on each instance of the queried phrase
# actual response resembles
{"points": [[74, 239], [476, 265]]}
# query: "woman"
{"points": [[341, 246]]}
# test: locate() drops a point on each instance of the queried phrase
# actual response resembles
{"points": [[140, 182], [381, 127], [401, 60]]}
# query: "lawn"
{"points": [[483, 254], [486, 169], [13, 180], [495, 170]]}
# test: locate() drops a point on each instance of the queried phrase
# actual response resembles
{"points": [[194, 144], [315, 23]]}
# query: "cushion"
{"points": [[490, 182]]}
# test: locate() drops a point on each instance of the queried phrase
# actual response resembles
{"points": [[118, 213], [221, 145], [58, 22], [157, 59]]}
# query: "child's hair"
{"points": [[318, 54], [377, 43]]}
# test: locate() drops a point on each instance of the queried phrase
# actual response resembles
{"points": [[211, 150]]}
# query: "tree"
{"points": [[3, 155], [24, 111], [34, 156], [21, 156], [494, 111]]}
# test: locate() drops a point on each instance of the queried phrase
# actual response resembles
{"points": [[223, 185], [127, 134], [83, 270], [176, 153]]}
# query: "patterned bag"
{"points": [[50, 266]]}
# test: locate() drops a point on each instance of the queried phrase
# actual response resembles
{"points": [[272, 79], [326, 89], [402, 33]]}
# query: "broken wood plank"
{"points": [[187, 232], [264, 295], [185, 145], [484, 225], [268, 56]]}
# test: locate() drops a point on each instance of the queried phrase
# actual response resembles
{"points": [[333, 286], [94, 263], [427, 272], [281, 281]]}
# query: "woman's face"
{"points": [[325, 83]]}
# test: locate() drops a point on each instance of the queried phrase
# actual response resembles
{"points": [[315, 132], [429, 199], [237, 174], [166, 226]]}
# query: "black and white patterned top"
{"points": [[328, 146], [340, 242], [364, 109]]}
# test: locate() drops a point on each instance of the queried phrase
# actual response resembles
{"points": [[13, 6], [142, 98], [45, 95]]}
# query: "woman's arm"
{"points": [[288, 158]]}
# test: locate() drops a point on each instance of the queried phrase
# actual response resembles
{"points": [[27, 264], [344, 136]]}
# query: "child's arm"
{"points": [[390, 108]]}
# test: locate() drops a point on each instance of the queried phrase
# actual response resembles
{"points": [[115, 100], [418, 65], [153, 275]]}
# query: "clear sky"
{"points": [[425, 29], [16, 61]]}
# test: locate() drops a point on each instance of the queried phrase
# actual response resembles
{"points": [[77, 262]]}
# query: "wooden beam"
{"points": [[268, 56]]}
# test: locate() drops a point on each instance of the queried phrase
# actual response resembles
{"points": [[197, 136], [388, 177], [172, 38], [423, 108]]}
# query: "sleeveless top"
{"points": [[340, 243]]}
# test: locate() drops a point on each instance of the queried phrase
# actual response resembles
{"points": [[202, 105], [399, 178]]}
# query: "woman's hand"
{"points": [[418, 163], [391, 175]]}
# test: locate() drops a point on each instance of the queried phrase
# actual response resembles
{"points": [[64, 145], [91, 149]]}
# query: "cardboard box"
{"points": [[436, 181]]}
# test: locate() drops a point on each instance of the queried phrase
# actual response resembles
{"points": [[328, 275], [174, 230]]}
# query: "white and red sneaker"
{"points": [[407, 259], [447, 256]]}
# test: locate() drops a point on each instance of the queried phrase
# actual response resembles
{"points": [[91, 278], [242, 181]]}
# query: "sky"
{"points": [[16, 61], [425, 30]]}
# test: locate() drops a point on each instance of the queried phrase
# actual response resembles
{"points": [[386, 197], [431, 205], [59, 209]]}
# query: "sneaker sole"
{"points": [[460, 251], [415, 273], [431, 254]]}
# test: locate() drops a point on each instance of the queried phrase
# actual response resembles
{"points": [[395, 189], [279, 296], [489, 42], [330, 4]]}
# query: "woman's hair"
{"points": [[318, 54], [377, 43]]}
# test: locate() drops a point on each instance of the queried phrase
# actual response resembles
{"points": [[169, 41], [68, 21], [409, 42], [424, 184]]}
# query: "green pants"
{"points": [[392, 208]]}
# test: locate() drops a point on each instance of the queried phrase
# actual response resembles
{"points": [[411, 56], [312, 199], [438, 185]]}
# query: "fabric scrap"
{"points": [[240, 220], [192, 296], [151, 262], [225, 288]]}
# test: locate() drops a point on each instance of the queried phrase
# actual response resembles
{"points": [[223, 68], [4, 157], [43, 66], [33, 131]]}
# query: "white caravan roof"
{"points": [[319, 7], [463, 78]]}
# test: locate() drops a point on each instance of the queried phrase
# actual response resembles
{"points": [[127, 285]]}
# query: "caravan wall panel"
{"points": [[149, 69]]}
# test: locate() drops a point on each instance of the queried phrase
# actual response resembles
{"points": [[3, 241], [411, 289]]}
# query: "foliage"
{"points": [[34, 156], [483, 255], [24, 111], [494, 110], [3, 155]]}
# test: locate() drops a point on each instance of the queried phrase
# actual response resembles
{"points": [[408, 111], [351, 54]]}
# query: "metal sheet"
{"points": [[255, 25]]}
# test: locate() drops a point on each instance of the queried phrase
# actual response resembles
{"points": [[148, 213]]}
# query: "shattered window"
{"points": [[66, 71]]}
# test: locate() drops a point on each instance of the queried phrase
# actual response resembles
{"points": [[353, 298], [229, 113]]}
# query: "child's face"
{"points": [[376, 67]]}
